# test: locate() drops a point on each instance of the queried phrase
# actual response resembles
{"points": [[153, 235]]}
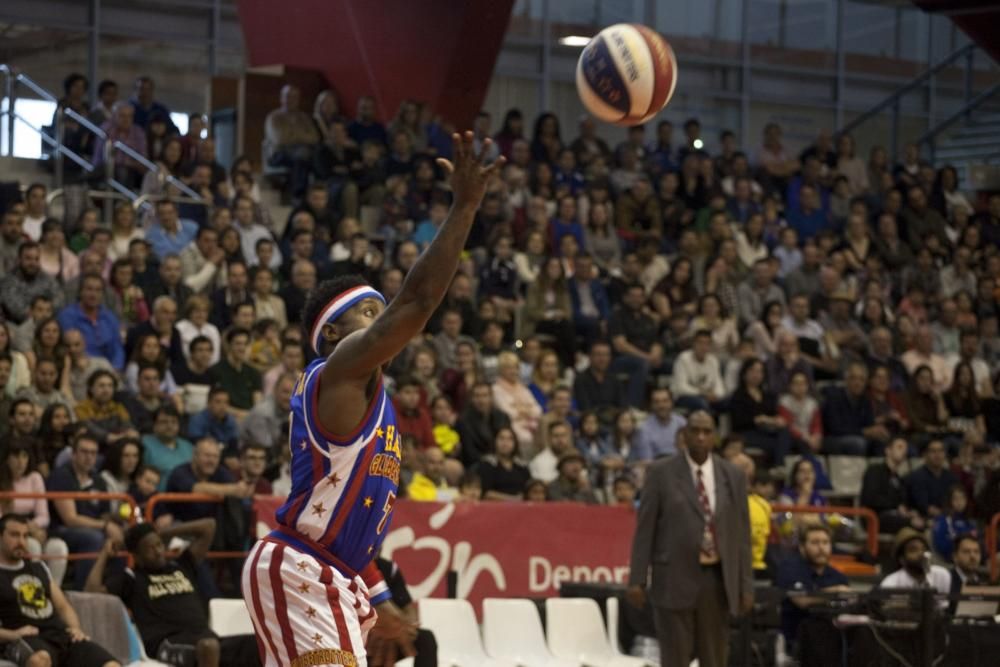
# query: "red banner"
{"points": [[501, 549]]}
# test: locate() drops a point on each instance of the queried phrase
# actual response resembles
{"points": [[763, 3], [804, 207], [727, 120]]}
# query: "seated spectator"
{"points": [[164, 449], [204, 474], [502, 474], [697, 377], [19, 287], [52, 443], [457, 382], [801, 415], [658, 433], [596, 388], [121, 463], [18, 475], [809, 571], [46, 631], [676, 291], [887, 406], [170, 234], [883, 490], [970, 352], [591, 307], [145, 486], [962, 401], [169, 283], [143, 404], [545, 377], [880, 353], [848, 418], [196, 324], [267, 423], [171, 619], [147, 351], [235, 292], [22, 335], [95, 322], [545, 465], [290, 139], [429, 483], [100, 412], [82, 364], [908, 551], [757, 291], [24, 420], [252, 463], [968, 556], [82, 524], [593, 445], [56, 259], [923, 354], [573, 480], [236, 376], [162, 325], [413, 418], [809, 218], [712, 318], [754, 414], [216, 422], [292, 361], [766, 332], [926, 409], [479, 424], [927, 487], [512, 397], [633, 336], [202, 262], [121, 127], [47, 344], [42, 392], [952, 522]]}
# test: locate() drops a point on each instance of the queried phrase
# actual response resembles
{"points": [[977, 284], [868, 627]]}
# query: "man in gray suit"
{"points": [[693, 528]]}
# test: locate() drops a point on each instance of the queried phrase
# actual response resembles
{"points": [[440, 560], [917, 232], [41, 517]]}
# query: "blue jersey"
{"points": [[343, 486]]}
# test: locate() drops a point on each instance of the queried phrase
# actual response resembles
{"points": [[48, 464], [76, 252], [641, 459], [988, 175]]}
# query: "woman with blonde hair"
{"points": [[513, 398], [326, 111], [195, 323]]}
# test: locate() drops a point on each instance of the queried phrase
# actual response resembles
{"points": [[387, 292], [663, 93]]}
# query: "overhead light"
{"points": [[574, 40], [698, 143]]}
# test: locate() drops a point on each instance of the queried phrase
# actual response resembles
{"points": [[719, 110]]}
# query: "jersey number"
{"points": [[390, 500]]}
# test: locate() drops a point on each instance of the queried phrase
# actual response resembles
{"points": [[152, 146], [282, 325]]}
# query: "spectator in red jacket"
{"points": [[413, 418]]}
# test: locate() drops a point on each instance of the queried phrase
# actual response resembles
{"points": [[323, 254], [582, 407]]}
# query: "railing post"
{"points": [[58, 126], [9, 94], [894, 132], [969, 58]]}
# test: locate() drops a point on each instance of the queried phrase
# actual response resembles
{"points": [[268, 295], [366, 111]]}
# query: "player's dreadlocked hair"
{"points": [[323, 293]]}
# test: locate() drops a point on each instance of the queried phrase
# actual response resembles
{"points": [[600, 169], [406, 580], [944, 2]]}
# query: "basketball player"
{"points": [[312, 586]]}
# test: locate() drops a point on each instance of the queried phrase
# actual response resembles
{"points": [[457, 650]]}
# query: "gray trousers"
{"points": [[701, 632]]}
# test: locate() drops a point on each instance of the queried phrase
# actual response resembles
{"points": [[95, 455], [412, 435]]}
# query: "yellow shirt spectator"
{"points": [[760, 529]]}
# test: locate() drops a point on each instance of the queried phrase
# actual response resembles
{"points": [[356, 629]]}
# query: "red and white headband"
{"points": [[337, 307]]}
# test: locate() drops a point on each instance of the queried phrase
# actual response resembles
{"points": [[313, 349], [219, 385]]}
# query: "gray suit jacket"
{"points": [[669, 529]]}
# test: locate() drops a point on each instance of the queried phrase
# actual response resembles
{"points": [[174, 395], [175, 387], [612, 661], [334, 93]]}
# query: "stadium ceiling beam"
{"points": [[143, 22]]}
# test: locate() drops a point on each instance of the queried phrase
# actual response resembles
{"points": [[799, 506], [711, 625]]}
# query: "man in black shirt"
{"points": [[596, 389], [425, 644], [633, 335], [883, 490], [36, 618], [162, 595], [478, 424]]}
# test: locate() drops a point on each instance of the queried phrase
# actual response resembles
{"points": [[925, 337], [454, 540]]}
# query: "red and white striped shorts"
{"points": [[304, 611]]}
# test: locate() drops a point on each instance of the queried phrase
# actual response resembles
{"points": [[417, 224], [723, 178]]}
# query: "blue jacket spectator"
{"points": [[215, 422], [100, 328], [657, 435], [170, 234]]}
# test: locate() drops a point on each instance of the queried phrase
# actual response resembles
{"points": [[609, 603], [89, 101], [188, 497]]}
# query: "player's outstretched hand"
{"points": [[468, 174]]}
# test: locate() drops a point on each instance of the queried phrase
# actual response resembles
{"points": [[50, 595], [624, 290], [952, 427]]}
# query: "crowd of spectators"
{"points": [[823, 304]]}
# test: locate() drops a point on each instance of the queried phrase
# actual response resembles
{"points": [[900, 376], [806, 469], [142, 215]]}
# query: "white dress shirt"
{"points": [[938, 578], [707, 477]]}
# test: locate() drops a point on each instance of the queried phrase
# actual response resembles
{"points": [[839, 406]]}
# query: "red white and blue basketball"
{"points": [[626, 74]]}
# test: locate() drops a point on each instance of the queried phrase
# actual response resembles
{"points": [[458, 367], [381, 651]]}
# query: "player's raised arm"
{"points": [[361, 352]]}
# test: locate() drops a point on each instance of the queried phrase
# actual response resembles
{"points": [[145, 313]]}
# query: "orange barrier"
{"points": [[846, 564], [991, 545], [158, 498], [871, 519], [76, 495]]}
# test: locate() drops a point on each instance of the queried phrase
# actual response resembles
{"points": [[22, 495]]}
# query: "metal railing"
{"points": [[930, 136], [12, 79], [893, 101], [871, 519], [992, 533]]}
